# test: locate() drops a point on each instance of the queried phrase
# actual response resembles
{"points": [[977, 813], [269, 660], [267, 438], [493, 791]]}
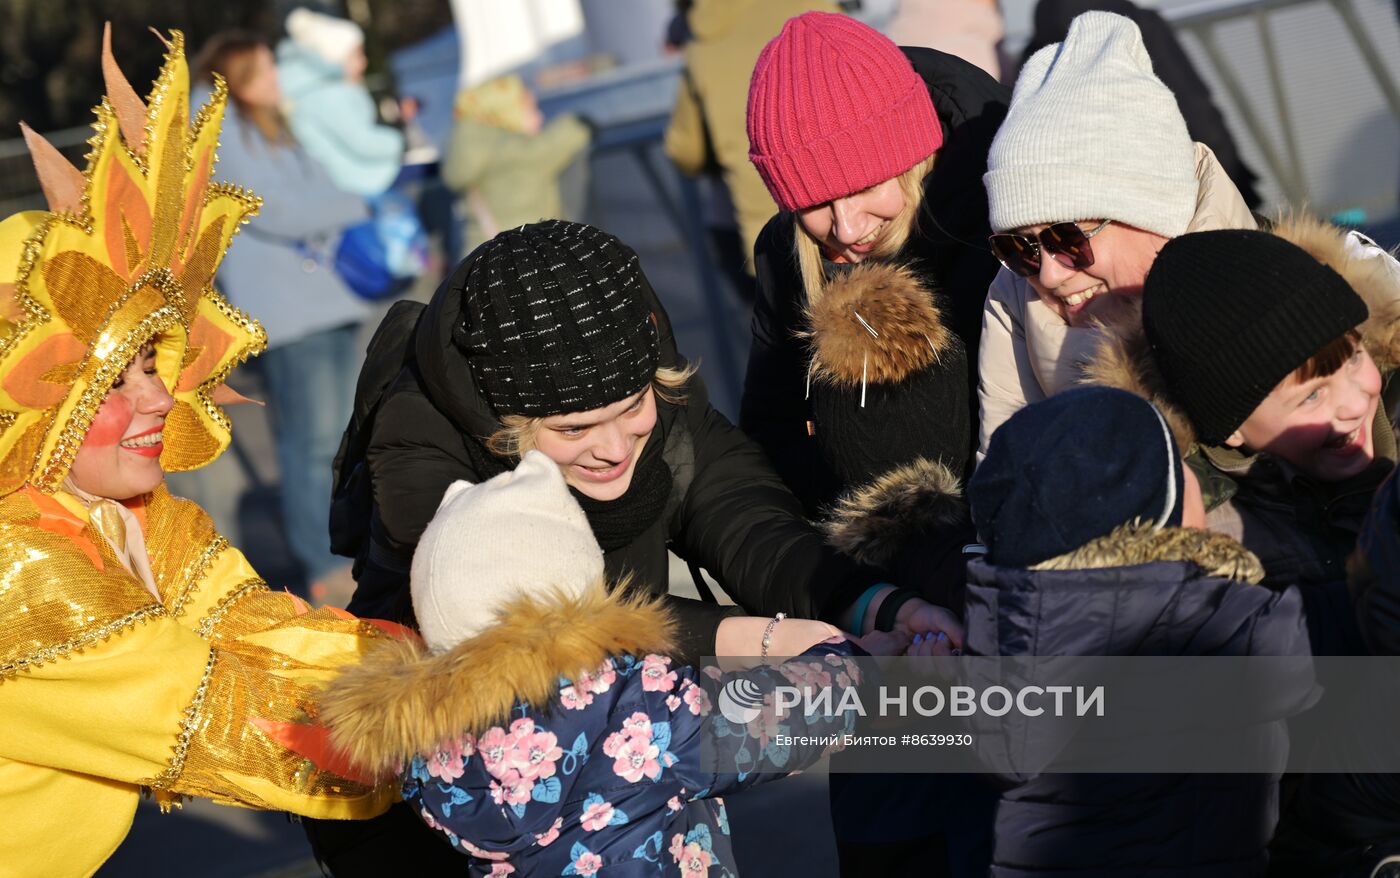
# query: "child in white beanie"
{"points": [[544, 727]]}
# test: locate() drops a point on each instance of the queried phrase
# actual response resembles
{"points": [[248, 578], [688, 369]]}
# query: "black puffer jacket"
{"points": [[728, 512], [1163, 593], [948, 255]]}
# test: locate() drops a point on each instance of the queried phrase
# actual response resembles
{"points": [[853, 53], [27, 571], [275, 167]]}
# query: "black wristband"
{"points": [[884, 619]]}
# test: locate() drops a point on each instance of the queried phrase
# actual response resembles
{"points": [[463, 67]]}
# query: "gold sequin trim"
{"points": [[216, 615], [256, 345], [188, 725], [35, 314], [61, 459], [102, 632], [196, 574]]}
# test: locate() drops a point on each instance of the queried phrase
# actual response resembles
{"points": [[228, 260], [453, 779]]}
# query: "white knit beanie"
{"points": [[1092, 133], [516, 534], [329, 38]]}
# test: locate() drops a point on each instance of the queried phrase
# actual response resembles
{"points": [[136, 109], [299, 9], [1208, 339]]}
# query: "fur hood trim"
{"points": [[1375, 279], [875, 323], [1140, 543], [1123, 359], [402, 700], [872, 523]]}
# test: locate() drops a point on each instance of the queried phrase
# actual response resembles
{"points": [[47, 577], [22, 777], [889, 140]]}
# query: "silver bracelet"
{"points": [[768, 633]]}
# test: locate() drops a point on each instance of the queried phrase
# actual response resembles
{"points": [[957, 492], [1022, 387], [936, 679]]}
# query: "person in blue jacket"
{"points": [[542, 726], [1081, 501], [283, 271], [321, 66]]}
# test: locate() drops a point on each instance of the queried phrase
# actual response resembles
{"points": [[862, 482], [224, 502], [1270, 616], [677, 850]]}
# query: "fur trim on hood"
{"points": [[872, 523], [1123, 358], [1376, 280], [1140, 543], [875, 323], [401, 700]]}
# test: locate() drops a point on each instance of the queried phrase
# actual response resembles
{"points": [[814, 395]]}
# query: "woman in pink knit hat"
{"points": [[862, 372], [871, 277]]}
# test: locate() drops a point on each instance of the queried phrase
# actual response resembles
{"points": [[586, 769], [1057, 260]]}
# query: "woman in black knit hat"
{"points": [[549, 337]]}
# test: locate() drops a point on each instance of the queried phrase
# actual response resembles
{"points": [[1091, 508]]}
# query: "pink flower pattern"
{"points": [[512, 789], [545, 839], [697, 700], [636, 759], [535, 755], [575, 699], [596, 816], [502, 869], [588, 863], [481, 854], [638, 725], [657, 675], [694, 861], [448, 763], [493, 747]]}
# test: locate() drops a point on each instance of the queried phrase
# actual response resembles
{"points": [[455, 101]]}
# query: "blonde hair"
{"points": [[809, 253], [517, 433]]}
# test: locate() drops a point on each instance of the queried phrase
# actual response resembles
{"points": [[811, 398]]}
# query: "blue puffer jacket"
{"points": [[563, 741], [1138, 592], [336, 122]]}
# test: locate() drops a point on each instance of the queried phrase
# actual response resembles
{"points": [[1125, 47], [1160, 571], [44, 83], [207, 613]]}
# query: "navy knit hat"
{"points": [[1068, 470], [555, 320]]}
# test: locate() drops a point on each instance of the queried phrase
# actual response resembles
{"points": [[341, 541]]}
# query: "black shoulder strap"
{"points": [[389, 351]]}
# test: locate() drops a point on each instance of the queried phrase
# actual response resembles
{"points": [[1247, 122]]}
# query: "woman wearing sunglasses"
{"points": [[1090, 176]]}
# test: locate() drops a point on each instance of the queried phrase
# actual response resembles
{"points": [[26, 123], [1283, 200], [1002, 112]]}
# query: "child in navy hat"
{"points": [[1080, 502]]}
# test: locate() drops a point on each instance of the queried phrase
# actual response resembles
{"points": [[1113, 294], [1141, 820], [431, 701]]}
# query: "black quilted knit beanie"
{"points": [[555, 320], [1231, 313]]}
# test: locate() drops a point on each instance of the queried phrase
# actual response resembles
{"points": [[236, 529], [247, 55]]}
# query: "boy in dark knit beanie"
{"points": [[1279, 349], [1274, 362]]}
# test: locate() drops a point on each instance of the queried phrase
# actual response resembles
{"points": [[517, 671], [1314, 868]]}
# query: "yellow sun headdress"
{"points": [[124, 256]]}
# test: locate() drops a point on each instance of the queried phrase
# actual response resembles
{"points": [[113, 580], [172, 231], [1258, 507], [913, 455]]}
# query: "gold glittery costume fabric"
{"points": [[106, 691]]}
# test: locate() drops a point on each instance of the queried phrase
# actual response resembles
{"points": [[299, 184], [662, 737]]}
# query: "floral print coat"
{"points": [[620, 770]]}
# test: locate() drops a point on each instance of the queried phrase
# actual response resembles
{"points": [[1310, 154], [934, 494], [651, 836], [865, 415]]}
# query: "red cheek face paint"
{"points": [[110, 423]]}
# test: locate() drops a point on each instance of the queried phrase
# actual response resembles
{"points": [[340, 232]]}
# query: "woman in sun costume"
{"points": [[139, 651]]}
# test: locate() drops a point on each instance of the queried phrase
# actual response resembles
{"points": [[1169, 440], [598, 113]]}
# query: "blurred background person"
{"points": [[706, 133], [283, 273], [970, 29], [504, 162], [321, 67]]}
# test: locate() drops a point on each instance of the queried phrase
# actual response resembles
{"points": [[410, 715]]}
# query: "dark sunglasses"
{"points": [[1066, 242]]}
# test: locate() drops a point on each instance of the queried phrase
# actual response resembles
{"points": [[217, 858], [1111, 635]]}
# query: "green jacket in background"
{"points": [[516, 176]]}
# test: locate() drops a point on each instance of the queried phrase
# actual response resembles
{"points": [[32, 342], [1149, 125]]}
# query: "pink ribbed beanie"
{"points": [[834, 108]]}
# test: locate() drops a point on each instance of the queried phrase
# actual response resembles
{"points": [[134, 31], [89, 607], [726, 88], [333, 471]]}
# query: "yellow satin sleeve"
{"points": [[105, 691]]}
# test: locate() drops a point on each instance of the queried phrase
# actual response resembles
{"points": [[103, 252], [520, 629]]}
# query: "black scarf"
{"points": [[615, 523]]}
